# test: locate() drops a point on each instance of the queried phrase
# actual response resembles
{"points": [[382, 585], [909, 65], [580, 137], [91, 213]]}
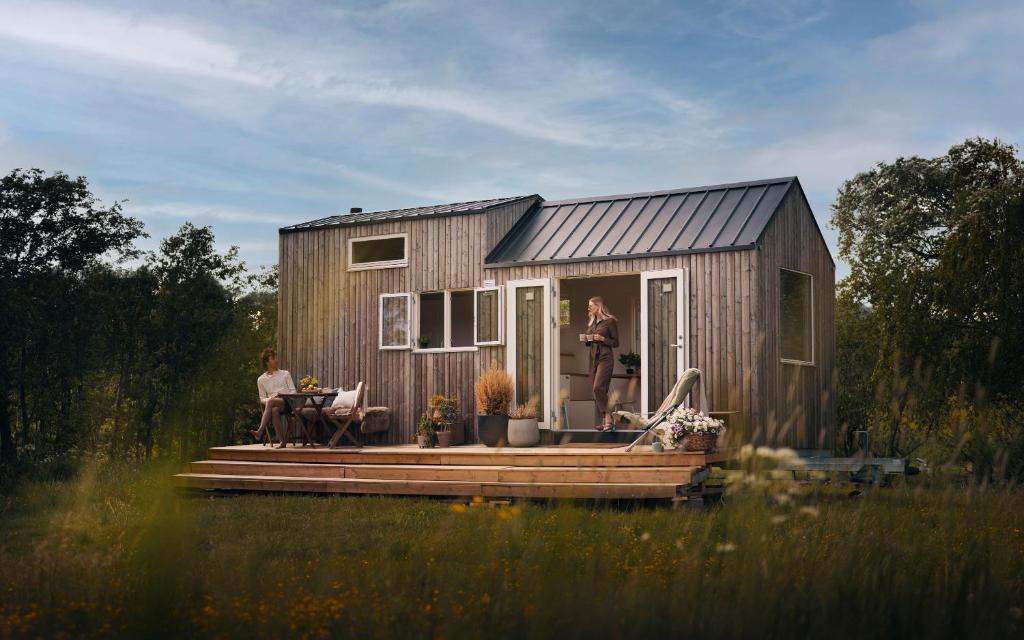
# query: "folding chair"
{"points": [[675, 398], [343, 421]]}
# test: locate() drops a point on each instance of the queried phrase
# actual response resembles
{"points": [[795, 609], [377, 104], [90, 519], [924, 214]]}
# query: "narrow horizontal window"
{"points": [[378, 252]]}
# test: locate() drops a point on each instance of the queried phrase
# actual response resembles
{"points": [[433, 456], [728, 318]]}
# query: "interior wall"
{"points": [[621, 295]]}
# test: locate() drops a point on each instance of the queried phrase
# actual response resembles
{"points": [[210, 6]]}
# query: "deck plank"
{"points": [[426, 487], [477, 473]]}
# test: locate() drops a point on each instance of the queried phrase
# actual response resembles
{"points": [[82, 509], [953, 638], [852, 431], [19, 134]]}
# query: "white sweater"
{"points": [[271, 384]]}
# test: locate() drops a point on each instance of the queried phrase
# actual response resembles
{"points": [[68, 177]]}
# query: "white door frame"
{"points": [[550, 293], [682, 328]]}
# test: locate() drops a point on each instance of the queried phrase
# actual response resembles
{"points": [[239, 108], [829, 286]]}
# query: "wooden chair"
{"points": [[343, 421]]}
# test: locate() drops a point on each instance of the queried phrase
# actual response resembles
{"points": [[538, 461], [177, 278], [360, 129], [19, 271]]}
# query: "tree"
{"points": [[935, 247], [49, 224]]}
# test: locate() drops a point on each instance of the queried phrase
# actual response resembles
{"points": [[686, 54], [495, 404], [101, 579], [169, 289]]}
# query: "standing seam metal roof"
{"points": [[712, 218], [456, 208]]}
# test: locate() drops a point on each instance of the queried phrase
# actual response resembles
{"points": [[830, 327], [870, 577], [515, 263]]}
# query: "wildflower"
{"points": [[810, 511], [458, 507], [645, 536], [779, 519], [725, 547], [680, 545], [782, 498]]}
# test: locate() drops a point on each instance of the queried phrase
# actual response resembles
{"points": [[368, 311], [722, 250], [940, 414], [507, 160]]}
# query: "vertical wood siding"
{"points": [[328, 318], [799, 409]]}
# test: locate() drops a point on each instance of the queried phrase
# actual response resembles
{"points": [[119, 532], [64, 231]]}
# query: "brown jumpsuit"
{"points": [[602, 361]]}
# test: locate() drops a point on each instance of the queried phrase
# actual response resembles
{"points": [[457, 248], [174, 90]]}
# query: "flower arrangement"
{"points": [[444, 410], [494, 391], [686, 421], [309, 383]]}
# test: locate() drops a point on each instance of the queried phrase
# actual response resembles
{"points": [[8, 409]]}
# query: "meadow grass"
{"points": [[117, 552]]}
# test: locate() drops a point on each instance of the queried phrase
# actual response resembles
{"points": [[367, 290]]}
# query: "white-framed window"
{"points": [[393, 321], [444, 321], [488, 316], [796, 317], [378, 252]]}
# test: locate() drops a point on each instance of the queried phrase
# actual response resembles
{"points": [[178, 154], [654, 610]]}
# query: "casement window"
{"points": [[378, 252], [393, 321], [444, 321], [488, 312], [796, 317], [436, 321]]}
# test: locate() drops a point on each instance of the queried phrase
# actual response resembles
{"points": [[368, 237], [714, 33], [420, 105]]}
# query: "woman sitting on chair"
{"points": [[602, 337], [272, 383]]}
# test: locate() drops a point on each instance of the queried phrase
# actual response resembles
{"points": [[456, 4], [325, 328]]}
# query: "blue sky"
{"points": [[248, 115]]}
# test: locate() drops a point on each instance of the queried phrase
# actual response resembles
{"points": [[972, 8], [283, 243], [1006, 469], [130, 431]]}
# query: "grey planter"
{"points": [[523, 433]]}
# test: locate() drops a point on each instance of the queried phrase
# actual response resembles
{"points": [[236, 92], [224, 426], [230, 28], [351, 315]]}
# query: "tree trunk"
{"points": [[8, 453]]}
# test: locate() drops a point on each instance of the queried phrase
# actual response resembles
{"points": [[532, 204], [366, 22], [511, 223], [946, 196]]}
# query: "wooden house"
{"points": [[734, 279]]}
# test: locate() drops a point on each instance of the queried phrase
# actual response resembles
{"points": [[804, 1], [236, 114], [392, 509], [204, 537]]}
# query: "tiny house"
{"points": [[734, 279]]}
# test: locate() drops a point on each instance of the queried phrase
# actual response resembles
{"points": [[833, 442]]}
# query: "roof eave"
{"points": [[628, 256]]}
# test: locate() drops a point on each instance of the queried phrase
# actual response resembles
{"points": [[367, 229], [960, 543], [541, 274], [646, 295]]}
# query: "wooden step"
{"points": [[427, 487], [467, 456], [471, 473]]}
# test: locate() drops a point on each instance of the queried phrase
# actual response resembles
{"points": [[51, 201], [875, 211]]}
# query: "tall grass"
{"points": [[118, 553]]}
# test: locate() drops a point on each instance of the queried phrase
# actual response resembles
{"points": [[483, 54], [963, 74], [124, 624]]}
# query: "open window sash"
{"points": [[488, 316], [394, 326]]}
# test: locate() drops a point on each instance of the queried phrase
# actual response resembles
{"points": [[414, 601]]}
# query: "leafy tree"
{"points": [[935, 247], [52, 229]]}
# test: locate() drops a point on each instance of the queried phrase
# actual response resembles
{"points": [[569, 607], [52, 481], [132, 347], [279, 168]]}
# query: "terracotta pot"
{"points": [[492, 430], [523, 433], [444, 438]]}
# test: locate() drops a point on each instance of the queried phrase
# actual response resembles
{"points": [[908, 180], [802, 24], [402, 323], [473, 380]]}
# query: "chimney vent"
{"points": [[356, 210]]}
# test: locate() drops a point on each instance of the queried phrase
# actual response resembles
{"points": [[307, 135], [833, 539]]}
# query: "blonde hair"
{"points": [[602, 312]]}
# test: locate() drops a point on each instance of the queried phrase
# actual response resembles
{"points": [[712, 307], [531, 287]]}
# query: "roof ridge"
{"points": [[462, 207], [668, 192]]}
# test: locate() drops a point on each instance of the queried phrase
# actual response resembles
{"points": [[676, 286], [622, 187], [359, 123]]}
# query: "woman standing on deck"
{"points": [[602, 336]]}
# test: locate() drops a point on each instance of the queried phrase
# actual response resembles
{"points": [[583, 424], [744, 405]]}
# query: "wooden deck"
{"points": [[467, 471]]}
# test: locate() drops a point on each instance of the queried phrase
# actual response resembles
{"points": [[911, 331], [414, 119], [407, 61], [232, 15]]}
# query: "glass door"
{"points": [[531, 343], [664, 334]]}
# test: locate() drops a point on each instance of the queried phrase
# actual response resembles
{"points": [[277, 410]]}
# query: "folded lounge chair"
{"points": [[684, 385]]}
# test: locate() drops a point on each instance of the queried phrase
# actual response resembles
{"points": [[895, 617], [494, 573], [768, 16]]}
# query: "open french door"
{"points": [[664, 334], [532, 343]]}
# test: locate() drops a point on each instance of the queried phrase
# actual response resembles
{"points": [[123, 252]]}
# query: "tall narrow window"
{"points": [[378, 252], [431, 321], [796, 318], [488, 314], [461, 314], [393, 321]]}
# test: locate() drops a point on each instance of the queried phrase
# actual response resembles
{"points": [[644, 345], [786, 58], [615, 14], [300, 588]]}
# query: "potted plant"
{"points": [[423, 342], [444, 411], [309, 383], [631, 361], [692, 431], [425, 432], [523, 430], [494, 391]]}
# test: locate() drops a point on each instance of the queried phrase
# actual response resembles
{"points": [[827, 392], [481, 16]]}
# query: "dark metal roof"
{"points": [[712, 218], [457, 208]]}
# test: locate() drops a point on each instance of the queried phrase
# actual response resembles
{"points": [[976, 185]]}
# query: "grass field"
{"points": [[119, 553]]}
